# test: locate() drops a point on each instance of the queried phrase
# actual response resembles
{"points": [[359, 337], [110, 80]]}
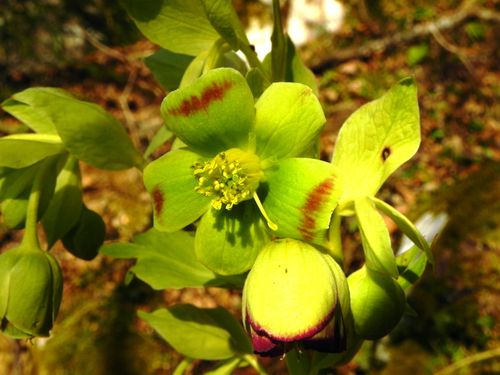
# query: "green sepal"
{"points": [[376, 139], [213, 114], [66, 204], [171, 183], [257, 81], [86, 236], [23, 150], [375, 238], [227, 242], [168, 67], [406, 226], [300, 196], [288, 120], [209, 334]]}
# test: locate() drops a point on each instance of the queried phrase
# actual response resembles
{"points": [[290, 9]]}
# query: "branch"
{"points": [[466, 11]]}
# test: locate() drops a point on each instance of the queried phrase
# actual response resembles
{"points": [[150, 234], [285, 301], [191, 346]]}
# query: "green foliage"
{"points": [[416, 54]]}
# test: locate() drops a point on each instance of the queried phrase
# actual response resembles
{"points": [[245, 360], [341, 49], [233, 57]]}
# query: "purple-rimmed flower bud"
{"points": [[30, 292], [295, 294], [377, 303]]}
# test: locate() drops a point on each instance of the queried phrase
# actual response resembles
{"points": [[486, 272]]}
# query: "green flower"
{"points": [[243, 169], [30, 292], [294, 294]]}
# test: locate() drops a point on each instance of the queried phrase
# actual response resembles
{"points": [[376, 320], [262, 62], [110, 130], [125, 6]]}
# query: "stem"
{"points": [[30, 237], [466, 362], [278, 52], [252, 361], [253, 59]]}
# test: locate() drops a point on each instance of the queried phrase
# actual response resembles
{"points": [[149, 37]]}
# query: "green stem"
{"points": [[278, 52], [252, 361], [30, 238], [253, 59]]}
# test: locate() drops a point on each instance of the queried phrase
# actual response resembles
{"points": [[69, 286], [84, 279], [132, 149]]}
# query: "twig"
{"points": [[467, 10], [467, 361]]}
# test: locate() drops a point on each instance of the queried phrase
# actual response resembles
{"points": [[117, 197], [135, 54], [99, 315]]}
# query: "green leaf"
{"points": [[224, 19], [257, 81], [36, 119], [417, 54], [296, 71], [168, 67], [171, 183], [15, 202], [66, 204], [289, 120], [301, 198], [167, 260], [375, 237], [214, 114], [87, 131], [87, 236], [22, 150], [406, 226], [180, 26], [411, 265], [376, 139], [208, 334], [278, 52], [227, 242], [162, 135], [17, 181]]}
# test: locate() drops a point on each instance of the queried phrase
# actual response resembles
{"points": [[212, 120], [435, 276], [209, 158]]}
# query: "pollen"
{"points": [[229, 178]]}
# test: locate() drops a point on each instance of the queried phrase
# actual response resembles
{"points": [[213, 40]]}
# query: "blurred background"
{"points": [[357, 49]]}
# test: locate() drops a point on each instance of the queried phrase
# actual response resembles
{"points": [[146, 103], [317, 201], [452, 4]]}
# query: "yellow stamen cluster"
{"points": [[225, 179]]}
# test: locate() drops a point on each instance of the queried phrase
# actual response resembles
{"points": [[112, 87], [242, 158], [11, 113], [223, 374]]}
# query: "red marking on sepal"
{"points": [[158, 200], [212, 93], [314, 201]]}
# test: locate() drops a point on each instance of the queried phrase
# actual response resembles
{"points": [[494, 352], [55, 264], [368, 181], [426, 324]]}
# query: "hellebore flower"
{"points": [[295, 294], [238, 152], [377, 303], [30, 292]]}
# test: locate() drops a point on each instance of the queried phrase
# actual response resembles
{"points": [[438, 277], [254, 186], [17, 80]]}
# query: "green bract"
{"points": [[30, 292], [238, 151], [295, 294]]}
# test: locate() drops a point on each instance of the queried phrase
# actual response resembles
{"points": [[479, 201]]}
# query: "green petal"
{"points": [[171, 183], [301, 198], [213, 114], [227, 242], [376, 139], [289, 119]]}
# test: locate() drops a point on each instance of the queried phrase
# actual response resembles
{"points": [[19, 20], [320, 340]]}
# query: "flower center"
{"points": [[230, 177]]}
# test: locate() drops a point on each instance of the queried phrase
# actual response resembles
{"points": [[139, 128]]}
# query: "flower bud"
{"points": [[30, 292], [294, 294], [377, 303]]}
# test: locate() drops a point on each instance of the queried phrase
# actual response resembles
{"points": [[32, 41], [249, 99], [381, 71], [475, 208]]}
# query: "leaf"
{"points": [[301, 197], [406, 226], [375, 237], [296, 71], [213, 114], [23, 150], [227, 242], [180, 26], [376, 139], [37, 120], [86, 236], [288, 120], [411, 265], [87, 131], [208, 334], [278, 51], [159, 139], [224, 19], [167, 260], [168, 67], [171, 183], [417, 54], [257, 81], [66, 204]]}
